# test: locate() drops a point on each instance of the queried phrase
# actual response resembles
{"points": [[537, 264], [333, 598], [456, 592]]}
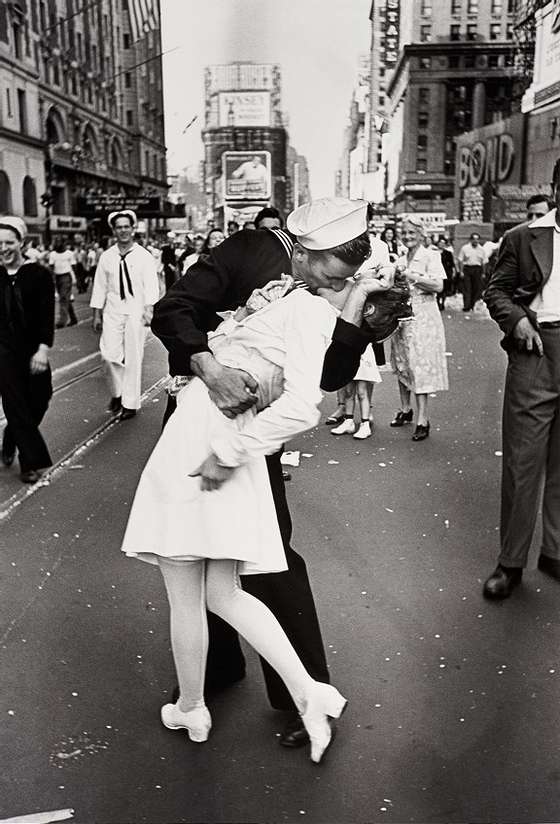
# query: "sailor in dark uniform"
{"points": [[223, 280]]}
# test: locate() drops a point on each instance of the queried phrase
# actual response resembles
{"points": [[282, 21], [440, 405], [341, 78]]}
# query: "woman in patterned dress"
{"points": [[418, 347]]}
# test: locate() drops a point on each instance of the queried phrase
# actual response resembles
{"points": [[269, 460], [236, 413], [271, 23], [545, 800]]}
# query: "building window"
{"points": [[423, 120], [425, 33], [425, 62], [147, 164], [126, 40], [426, 8], [16, 32], [29, 197], [129, 120], [472, 7], [509, 31], [421, 164], [455, 6], [493, 61], [423, 96], [22, 110], [381, 99], [9, 103], [455, 32], [127, 80], [5, 194], [422, 141], [495, 31], [73, 85], [472, 31], [497, 7], [454, 62], [42, 15], [512, 6]]}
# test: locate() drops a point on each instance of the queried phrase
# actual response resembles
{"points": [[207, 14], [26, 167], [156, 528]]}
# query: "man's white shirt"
{"points": [[142, 268], [547, 303]]}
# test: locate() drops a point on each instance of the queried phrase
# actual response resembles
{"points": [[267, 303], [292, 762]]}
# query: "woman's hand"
{"points": [[212, 474]]}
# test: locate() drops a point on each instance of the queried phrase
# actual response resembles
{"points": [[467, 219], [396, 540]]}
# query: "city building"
{"points": [[247, 160], [81, 120], [456, 72]]}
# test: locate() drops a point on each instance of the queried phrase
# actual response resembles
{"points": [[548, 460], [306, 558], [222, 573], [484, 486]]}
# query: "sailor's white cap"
{"points": [[16, 224], [328, 222], [122, 213]]}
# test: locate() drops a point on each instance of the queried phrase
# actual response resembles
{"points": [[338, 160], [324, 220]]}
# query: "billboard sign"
{"points": [[244, 108], [432, 221], [390, 39], [247, 175]]}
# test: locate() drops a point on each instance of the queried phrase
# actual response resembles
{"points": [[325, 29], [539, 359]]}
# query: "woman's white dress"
{"points": [[368, 369], [418, 346], [283, 347]]}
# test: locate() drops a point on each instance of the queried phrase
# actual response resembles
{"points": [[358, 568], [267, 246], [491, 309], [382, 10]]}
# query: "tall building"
{"points": [[81, 120], [245, 140], [456, 71]]}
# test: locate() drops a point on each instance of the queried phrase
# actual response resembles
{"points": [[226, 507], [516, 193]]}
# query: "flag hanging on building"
{"points": [[143, 18]]}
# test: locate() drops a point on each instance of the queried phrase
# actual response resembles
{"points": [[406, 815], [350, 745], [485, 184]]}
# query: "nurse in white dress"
{"points": [[125, 289], [203, 509]]}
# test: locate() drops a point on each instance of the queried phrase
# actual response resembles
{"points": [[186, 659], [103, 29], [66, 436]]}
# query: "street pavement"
{"points": [[453, 700]]}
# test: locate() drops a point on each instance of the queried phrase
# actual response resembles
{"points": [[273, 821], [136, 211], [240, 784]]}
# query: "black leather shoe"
{"points": [[502, 582], [421, 432], [31, 476], [401, 418], [126, 414], [114, 405], [294, 734], [334, 420], [550, 566]]}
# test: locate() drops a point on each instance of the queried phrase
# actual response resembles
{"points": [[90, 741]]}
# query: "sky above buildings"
{"points": [[317, 44]]}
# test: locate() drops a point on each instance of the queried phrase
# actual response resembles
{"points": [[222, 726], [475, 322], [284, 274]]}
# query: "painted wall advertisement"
{"points": [[244, 108], [247, 175], [546, 76]]}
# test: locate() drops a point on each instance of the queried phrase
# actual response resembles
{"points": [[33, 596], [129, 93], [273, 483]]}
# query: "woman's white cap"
{"points": [[328, 222], [16, 224], [122, 213]]}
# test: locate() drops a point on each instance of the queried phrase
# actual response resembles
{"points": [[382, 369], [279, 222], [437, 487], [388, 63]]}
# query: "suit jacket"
{"points": [[524, 265], [224, 279]]}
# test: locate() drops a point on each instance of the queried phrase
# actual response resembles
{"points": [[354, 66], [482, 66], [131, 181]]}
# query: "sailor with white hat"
{"points": [[125, 289], [331, 243]]}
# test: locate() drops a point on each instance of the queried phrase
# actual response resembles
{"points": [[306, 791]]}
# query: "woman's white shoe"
{"points": [[197, 722], [322, 702]]}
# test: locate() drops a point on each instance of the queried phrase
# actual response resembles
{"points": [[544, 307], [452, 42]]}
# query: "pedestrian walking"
{"points": [[125, 289], [418, 348], [26, 336], [62, 261], [448, 263], [471, 259], [223, 280], [523, 297]]}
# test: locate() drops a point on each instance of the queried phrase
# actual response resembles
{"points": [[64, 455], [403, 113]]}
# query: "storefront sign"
{"points": [[247, 175], [67, 223], [432, 221], [491, 154], [102, 204], [244, 108]]}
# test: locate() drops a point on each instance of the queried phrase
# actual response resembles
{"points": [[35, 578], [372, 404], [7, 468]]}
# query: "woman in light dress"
{"points": [[418, 347], [204, 512]]}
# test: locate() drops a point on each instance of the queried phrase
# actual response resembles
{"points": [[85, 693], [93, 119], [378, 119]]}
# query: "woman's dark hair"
{"points": [[384, 311], [353, 252], [268, 211], [205, 249]]}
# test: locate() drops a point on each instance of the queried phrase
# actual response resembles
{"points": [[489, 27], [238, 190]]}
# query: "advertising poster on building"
{"points": [[244, 109], [247, 175]]}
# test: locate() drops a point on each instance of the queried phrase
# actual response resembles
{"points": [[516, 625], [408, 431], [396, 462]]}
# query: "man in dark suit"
{"points": [[223, 280], [26, 335], [523, 297]]}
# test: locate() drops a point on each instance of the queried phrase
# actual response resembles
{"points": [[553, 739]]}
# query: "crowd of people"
{"points": [[256, 323]]}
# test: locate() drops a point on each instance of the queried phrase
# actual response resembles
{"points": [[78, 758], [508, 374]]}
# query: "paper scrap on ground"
{"points": [[290, 458], [40, 818], [333, 462]]}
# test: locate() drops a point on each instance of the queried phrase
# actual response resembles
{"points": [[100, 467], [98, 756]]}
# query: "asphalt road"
{"points": [[453, 700]]}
